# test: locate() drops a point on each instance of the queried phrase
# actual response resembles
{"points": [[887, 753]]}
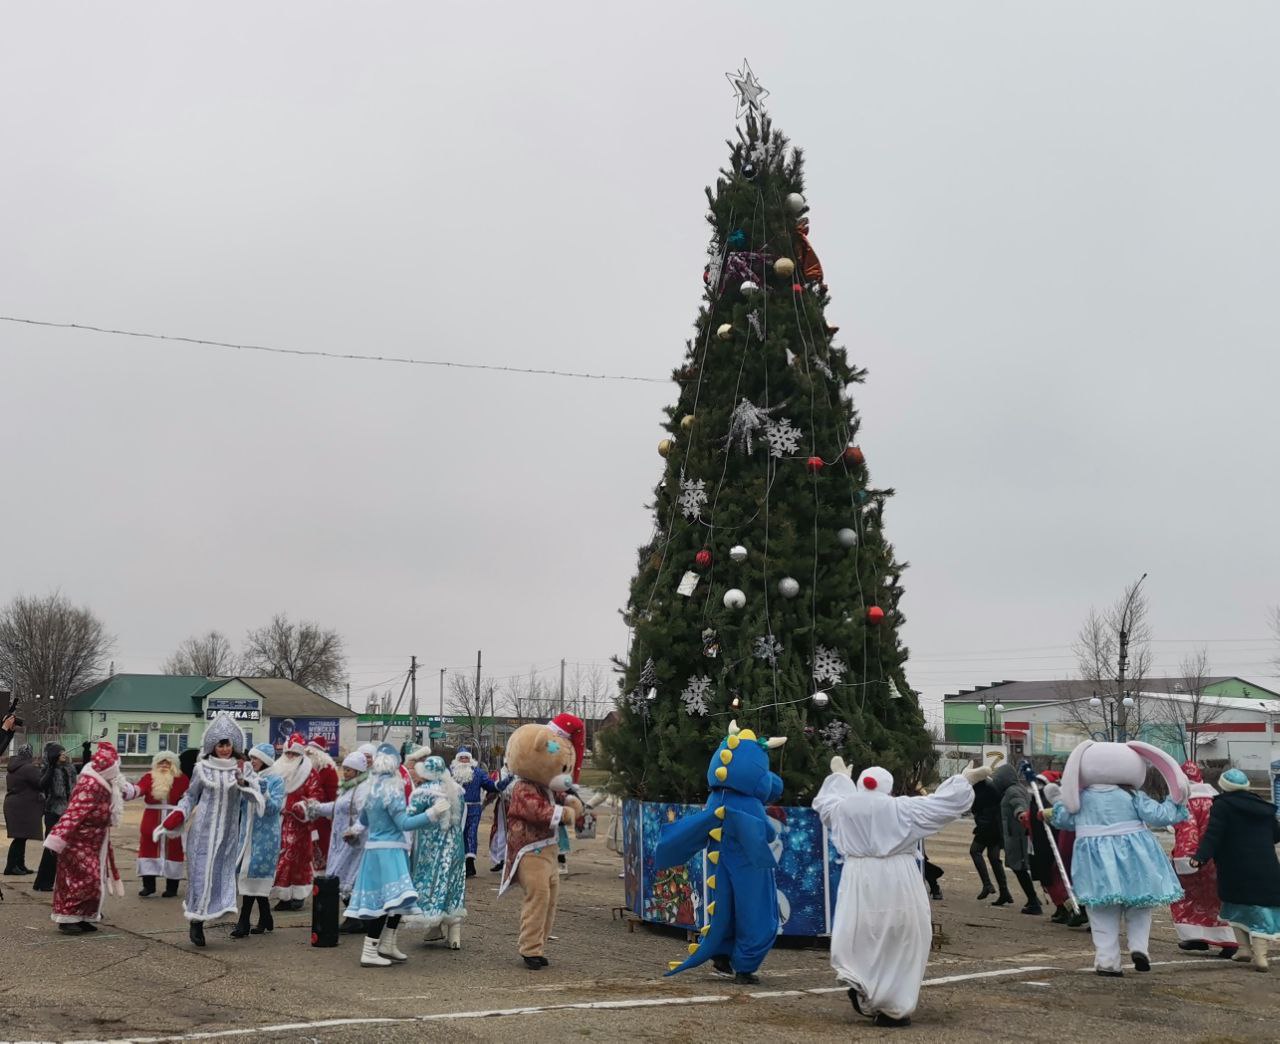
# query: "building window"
{"points": [[132, 738], [248, 738], [172, 737]]}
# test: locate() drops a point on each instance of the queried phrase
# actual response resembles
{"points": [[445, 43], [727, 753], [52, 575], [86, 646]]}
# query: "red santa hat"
{"points": [[321, 742], [570, 726], [296, 744], [104, 757]]}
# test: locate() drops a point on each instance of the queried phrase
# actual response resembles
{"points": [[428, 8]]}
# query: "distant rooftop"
{"points": [[1053, 690]]}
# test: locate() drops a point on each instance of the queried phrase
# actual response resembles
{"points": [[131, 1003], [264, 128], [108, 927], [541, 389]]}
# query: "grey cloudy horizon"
{"points": [[1049, 233]]}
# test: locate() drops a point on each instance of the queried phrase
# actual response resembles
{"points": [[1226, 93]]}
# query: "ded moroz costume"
{"points": [[1195, 915], [472, 778], [300, 852], [326, 786], [438, 858], [162, 788], [82, 840], [881, 932]]}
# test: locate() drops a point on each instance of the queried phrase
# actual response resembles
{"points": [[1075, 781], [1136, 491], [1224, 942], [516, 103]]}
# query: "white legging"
{"points": [[1104, 921]]}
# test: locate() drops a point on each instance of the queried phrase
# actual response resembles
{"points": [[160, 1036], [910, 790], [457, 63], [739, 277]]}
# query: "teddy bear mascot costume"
{"points": [[541, 761], [735, 830], [1117, 866], [881, 933]]}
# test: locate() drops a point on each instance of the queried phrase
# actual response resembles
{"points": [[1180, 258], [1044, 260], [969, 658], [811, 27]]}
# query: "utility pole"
{"points": [[1123, 661], [442, 670], [562, 683], [479, 705], [413, 700], [348, 695]]}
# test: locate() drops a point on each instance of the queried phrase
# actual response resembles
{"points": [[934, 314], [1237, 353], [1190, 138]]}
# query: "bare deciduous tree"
{"points": [[1097, 651], [52, 650], [531, 698], [303, 652], [1188, 716], [208, 654], [467, 700], [1275, 631]]}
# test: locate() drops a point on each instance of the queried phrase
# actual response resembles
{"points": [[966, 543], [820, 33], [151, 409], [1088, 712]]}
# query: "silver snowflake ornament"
{"points": [[697, 695], [693, 495], [753, 317], [767, 648], [746, 422], [783, 439], [827, 665], [834, 734]]}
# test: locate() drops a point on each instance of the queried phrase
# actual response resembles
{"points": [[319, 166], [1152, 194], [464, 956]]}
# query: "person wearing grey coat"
{"points": [[57, 781], [23, 804], [1015, 815]]}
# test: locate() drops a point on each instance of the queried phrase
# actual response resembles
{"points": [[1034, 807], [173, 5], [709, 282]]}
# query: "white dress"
{"points": [[881, 932]]}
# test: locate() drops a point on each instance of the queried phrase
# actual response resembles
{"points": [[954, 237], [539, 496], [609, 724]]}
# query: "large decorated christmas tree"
{"points": [[768, 592]]}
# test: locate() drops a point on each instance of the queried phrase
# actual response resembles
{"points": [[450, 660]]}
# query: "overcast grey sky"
{"points": [[1049, 229]]}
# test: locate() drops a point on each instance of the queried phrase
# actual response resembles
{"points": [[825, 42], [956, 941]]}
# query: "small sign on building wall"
{"points": [[240, 710]]}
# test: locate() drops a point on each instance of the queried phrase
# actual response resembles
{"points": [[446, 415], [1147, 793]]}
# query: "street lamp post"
{"points": [[1123, 661], [989, 718], [1114, 712]]}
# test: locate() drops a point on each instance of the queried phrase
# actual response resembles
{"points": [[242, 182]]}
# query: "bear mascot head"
{"points": [[543, 756]]}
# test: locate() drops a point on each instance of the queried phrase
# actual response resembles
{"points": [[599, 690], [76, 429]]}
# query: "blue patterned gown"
{"points": [[1116, 860], [383, 885], [439, 860], [261, 829], [214, 839]]}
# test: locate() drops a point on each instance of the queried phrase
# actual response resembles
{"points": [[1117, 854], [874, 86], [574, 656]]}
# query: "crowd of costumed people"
{"points": [[396, 837]]}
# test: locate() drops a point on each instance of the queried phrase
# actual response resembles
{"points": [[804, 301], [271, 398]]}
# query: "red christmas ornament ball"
{"points": [[875, 614], [814, 465], [703, 558], [854, 456], [797, 288]]}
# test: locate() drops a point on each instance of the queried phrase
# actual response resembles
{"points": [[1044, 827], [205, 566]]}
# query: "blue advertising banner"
{"points": [[308, 728]]}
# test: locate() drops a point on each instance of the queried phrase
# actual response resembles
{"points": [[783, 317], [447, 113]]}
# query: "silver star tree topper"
{"points": [[750, 93]]}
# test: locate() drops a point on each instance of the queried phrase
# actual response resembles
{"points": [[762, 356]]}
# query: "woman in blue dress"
{"points": [[1119, 870], [439, 863], [260, 845], [383, 891]]}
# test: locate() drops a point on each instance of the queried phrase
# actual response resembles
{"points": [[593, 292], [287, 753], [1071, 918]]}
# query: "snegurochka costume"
{"points": [[346, 840], [734, 828], [260, 845], [438, 862], [472, 778]]}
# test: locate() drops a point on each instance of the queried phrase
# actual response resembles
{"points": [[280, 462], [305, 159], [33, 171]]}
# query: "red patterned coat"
{"points": [[299, 845], [533, 815], [326, 780], [152, 862], [1195, 915], [82, 840]]}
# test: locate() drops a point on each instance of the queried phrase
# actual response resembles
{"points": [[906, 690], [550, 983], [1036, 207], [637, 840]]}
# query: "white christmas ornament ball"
{"points": [[847, 538], [820, 699], [795, 204], [725, 332], [748, 287], [738, 553], [734, 599], [789, 587]]}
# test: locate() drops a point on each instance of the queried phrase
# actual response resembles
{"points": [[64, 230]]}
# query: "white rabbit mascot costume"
{"points": [[1117, 866]]}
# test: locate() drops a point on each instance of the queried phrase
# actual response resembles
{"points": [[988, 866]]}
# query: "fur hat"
{"points": [[166, 755], [1233, 779], [104, 757], [265, 753], [432, 767], [355, 762], [1192, 771], [386, 760], [222, 727]]}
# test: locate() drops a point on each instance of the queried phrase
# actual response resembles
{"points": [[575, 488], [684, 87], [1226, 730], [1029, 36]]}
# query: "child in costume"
{"points": [[881, 932], [82, 841], [260, 844], [222, 787], [542, 762], [472, 778], [346, 840], [383, 891], [1118, 868], [439, 864], [162, 788], [1195, 915], [1241, 839], [735, 830]]}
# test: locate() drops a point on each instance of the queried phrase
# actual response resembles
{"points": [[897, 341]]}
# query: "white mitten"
{"points": [[439, 810], [1051, 792], [976, 774], [839, 768]]}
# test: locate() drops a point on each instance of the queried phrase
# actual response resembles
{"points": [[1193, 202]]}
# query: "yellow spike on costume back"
{"points": [[713, 857], [732, 743], [717, 833], [693, 947], [704, 929], [726, 756], [673, 965], [711, 881], [720, 812], [722, 773], [711, 909], [746, 734]]}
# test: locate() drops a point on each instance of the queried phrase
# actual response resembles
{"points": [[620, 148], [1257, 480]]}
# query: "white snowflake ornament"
{"points": [[827, 665], [696, 695], [693, 495], [745, 424], [783, 439], [767, 648]]}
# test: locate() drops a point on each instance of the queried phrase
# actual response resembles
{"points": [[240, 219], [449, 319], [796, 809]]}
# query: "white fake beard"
{"points": [[294, 775], [161, 781], [462, 772]]}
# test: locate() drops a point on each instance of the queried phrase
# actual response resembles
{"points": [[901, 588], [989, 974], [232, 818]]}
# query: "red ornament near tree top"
{"points": [[854, 456], [814, 465], [875, 614], [702, 558]]}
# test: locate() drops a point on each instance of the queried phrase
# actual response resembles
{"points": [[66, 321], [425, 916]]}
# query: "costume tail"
{"points": [[714, 935]]}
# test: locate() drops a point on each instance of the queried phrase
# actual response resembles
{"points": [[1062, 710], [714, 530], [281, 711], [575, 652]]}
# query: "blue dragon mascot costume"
{"points": [[743, 899]]}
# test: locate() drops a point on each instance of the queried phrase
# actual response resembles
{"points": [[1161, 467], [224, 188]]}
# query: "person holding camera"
{"points": [[7, 728]]}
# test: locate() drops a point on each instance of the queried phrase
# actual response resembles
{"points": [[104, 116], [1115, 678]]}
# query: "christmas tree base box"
{"points": [[808, 874]]}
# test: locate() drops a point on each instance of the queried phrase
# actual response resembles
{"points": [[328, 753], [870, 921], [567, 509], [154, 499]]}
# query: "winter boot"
{"points": [[471, 865], [889, 1022], [1079, 919], [1260, 954], [1141, 962], [196, 933], [265, 921], [1060, 915], [170, 888], [1033, 908], [987, 891], [720, 966], [455, 935], [148, 886], [242, 925], [1005, 898], [564, 864], [1244, 952], [746, 979], [434, 934], [983, 876], [1193, 944], [369, 956], [387, 946], [497, 867]]}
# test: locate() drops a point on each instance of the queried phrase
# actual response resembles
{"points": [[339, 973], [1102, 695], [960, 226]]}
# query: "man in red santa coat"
{"points": [[82, 841], [325, 777], [162, 788], [1195, 915], [299, 840]]}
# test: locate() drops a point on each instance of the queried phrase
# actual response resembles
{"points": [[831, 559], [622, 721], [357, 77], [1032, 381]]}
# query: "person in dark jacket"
{"points": [[988, 839], [1241, 840], [7, 728], [56, 783], [1015, 818], [23, 804]]}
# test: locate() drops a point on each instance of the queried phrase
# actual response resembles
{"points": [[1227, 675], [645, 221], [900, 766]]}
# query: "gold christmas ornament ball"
{"points": [[665, 447], [785, 267], [725, 332], [686, 422]]}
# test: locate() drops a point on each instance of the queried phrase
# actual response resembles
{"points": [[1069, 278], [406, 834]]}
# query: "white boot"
{"points": [[387, 946], [434, 934], [455, 935], [369, 955], [1260, 954], [1244, 954]]}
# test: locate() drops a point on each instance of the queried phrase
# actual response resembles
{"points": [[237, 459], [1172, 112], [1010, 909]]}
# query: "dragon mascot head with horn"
{"points": [[742, 907]]}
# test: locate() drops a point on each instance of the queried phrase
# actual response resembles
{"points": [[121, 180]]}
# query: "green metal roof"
{"points": [[148, 694]]}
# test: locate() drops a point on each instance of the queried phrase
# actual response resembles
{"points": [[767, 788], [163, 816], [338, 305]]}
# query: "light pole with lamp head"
{"points": [[989, 718], [1122, 717]]}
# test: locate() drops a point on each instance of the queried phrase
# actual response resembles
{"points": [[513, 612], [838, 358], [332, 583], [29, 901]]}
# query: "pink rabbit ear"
{"points": [[1172, 772], [1070, 794]]}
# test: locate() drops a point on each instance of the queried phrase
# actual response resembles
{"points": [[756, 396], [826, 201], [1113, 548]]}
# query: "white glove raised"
{"points": [[1051, 793], [839, 768], [976, 774]]}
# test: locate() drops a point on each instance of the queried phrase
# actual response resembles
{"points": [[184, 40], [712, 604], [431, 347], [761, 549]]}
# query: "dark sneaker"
{"points": [[889, 1022], [1193, 944], [1141, 961], [746, 979], [721, 966], [533, 964], [1109, 973]]}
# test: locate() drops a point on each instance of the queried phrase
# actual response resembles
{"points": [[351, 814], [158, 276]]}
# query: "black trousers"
{"points": [[48, 869], [17, 853], [992, 852]]}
